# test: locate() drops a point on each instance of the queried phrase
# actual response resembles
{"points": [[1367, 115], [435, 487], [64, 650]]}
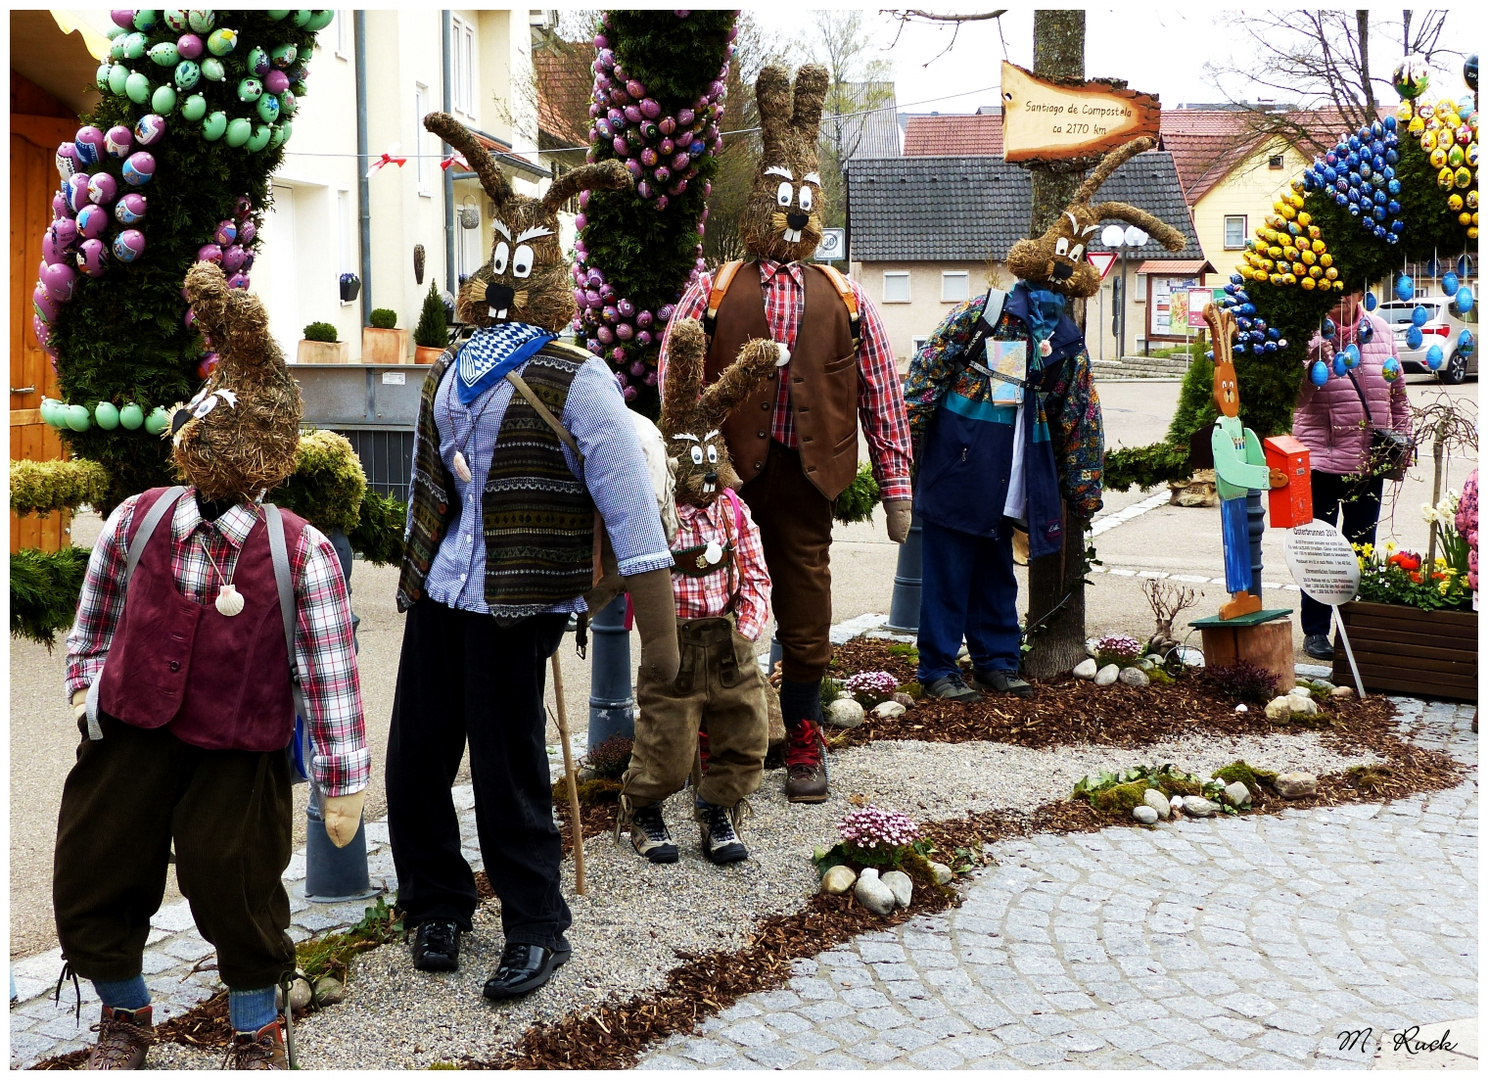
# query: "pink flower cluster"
{"points": [[1467, 526], [1119, 645], [868, 827]]}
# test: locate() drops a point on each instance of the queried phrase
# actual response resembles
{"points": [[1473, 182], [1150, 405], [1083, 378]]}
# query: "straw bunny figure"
{"points": [[794, 440], [181, 667], [721, 587]]}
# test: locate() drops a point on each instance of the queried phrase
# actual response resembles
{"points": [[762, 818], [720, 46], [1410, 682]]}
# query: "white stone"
{"points": [[1299, 691], [328, 990], [1158, 801], [844, 713], [1296, 785], [1302, 705], [900, 885], [943, 873], [1145, 814], [905, 700], [873, 894], [1107, 675], [1146, 663], [1341, 692], [888, 710], [1133, 676], [1242, 707], [838, 880], [1085, 669], [1176, 804], [1199, 806], [1279, 708], [1237, 793]]}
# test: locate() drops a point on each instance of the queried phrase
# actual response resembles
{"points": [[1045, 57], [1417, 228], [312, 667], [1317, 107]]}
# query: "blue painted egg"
{"points": [[1419, 315], [1339, 367], [1434, 357], [1464, 300], [1450, 282], [1329, 329], [1414, 337], [1390, 369], [1366, 332], [1370, 301], [1465, 343], [1350, 356], [1405, 288], [1319, 373]]}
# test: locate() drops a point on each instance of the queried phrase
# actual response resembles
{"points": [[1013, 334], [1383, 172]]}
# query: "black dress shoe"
{"points": [[436, 946], [1317, 646], [524, 968]]}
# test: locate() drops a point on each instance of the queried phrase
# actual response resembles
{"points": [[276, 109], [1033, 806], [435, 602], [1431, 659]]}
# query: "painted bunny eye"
{"points": [[697, 455], [712, 455], [206, 406], [1077, 251], [522, 261], [1061, 246], [498, 261], [806, 199], [784, 193]]}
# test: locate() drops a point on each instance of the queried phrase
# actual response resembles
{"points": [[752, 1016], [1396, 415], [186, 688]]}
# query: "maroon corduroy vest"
{"points": [[220, 682]]}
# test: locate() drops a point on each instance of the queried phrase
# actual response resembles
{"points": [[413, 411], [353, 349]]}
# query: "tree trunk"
{"points": [[1369, 104], [1056, 583]]}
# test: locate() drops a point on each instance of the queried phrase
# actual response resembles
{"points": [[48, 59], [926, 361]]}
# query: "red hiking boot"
{"points": [[805, 763]]}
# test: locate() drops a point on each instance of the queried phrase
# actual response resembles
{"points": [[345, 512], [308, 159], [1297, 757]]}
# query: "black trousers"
{"points": [[1360, 503], [462, 677], [229, 812]]}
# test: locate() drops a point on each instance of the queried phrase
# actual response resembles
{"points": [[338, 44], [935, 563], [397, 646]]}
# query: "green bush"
{"points": [[378, 536], [431, 331], [44, 591], [320, 331], [858, 499], [328, 484], [1145, 466], [39, 487], [384, 318]]}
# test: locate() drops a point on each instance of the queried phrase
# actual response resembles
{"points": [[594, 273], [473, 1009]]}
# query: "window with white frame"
{"points": [[341, 31], [919, 343], [462, 66], [1234, 231], [954, 285], [896, 286], [422, 165]]}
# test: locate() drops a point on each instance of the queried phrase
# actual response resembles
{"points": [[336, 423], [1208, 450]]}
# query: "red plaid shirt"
{"points": [[323, 641], [713, 594], [880, 400]]}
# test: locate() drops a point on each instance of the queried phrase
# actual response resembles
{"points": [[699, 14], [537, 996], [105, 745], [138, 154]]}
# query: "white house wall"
{"points": [[905, 322]]}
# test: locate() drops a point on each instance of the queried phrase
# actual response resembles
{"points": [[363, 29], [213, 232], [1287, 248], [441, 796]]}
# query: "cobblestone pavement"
{"points": [[1250, 942]]}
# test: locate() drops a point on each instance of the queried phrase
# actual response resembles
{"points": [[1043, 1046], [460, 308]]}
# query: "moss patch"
{"points": [[1121, 799], [1242, 773]]}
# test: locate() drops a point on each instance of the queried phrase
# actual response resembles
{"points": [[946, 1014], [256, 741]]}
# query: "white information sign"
{"points": [[833, 245], [1323, 563]]}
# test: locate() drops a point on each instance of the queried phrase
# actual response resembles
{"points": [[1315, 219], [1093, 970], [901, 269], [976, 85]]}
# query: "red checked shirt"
{"points": [[713, 594], [323, 641], [880, 400]]}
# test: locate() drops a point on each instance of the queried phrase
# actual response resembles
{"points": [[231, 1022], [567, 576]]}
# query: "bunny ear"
{"points": [[1221, 330], [737, 382], [1110, 163], [811, 93], [772, 93], [459, 136], [606, 176], [686, 345]]}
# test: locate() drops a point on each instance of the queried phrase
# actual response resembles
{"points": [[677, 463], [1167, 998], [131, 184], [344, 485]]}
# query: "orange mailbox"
{"points": [[1290, 505]]}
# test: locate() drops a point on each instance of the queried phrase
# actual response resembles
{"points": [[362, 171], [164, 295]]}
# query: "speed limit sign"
{"points": [[833, 245]]}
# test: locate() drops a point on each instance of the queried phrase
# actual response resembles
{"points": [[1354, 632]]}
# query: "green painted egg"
{"points": [[214, 126], [137, 86], [78, 418], [144, 19], [201, 20], [262, 133], [284, 55], [281, 135], [276, 15], [107, 415], [288, 104], [118, 75], [194, 107], [238, 131], [268, 108], [157, 421], [188, 72], [212, 69], [249, 89], [320, 20], [165, 54], [134, 46], [131, 416], [101, 77], [302, 16], [221, 42], [163, 100]]}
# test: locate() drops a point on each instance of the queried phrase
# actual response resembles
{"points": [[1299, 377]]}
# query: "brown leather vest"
{"points": [[823, 374]]}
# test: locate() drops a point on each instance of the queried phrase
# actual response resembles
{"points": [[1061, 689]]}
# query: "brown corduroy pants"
{"points": [[795, 524], [718, 688]]}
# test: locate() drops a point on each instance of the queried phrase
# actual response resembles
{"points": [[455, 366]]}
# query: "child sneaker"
{"points": [[721, 844], [649, 834]]}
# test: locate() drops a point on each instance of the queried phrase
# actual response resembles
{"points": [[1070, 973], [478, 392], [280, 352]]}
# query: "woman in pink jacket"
{"points": [[1333, 422]]}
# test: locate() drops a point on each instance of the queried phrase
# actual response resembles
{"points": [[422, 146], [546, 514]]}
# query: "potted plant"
{"points": [[382, 342], [431, 335], [320, 346]]}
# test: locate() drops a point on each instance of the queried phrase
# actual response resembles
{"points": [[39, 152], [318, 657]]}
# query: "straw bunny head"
{"points": [[691, 417], [1226, 386], [527, 277], [239, 435], [1056, 260], [782, 219]]}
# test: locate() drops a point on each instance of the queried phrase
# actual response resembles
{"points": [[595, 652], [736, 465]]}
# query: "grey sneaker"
{"points": [[1317, 647], [951, 688], [721, 844], [649, 834], [1000, 682]]}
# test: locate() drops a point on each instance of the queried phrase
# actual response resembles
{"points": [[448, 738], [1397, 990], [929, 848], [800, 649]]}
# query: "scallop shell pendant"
{"points": [[713, 553], [229, 600], [462, 468], [1045, 348]]}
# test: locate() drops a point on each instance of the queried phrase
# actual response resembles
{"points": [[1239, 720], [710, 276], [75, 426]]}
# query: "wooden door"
{"points": [[33, 179]]}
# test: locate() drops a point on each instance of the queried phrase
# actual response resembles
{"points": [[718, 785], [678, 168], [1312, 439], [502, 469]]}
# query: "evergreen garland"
{"points": [[639, 248], [44, 589]]}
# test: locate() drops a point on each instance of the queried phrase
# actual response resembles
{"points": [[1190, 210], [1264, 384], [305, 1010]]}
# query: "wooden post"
{"points": [[575, 822]]}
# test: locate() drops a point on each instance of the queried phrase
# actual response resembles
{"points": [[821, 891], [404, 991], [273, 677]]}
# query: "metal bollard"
{"points": [[1255, 514], [611, 694], [904, 608]]}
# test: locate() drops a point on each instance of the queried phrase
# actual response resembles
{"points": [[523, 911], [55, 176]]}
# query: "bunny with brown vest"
{"points": [[1007, 430], [186, 700], [526, 464], [795, 440], [721, 586]]}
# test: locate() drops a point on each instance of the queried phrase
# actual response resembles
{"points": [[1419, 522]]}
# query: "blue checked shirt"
{"points": [[614, 470]]}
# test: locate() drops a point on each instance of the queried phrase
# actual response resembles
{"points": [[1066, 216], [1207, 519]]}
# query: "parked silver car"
{"points": [[1442, 328]]}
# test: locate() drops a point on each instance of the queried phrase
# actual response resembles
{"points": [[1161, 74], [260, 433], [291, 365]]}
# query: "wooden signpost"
{"points": [[1045, 121]]}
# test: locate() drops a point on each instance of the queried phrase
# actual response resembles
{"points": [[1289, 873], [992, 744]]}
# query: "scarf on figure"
{"points": [[491, 352], [1045, 309]]}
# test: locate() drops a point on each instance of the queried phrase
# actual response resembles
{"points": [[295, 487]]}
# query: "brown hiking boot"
{"points": [[264, 1049], [123, 1037], [805, 763]]}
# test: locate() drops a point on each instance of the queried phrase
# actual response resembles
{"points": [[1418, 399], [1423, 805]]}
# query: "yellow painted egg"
{"points": [[1315, 271], [1446, 178], [1464, 219], [1325, 259], [1288, 212], [1472, 233], [1404, 112], [1331, 273], [1314, 232], [1416, 126], [1297, 185], [1472, 199], [1309, 284], [1455, 157], [1291, 253], [1309, 258], [1463, 177], [1277, 280], [1438, 158], [1428, 141], [1323, 285], [1304, 219], [1289, 279]]}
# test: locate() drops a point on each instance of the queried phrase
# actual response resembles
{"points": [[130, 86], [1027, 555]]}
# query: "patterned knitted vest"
{"points": [[537, 517]]}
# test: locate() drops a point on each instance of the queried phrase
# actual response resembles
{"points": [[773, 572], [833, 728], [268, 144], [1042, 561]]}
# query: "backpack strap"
{"points": [[987, 324], [279, 553], [844, 290], [721, 282]]}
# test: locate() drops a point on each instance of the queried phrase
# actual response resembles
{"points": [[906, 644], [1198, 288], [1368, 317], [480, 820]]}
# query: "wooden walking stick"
{"points": [[575, 823]]}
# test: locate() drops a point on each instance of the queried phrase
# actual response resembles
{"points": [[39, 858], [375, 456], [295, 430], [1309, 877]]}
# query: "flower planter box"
{"points": [[384, 346], [427, 354], [1404, 650], [323, 352]]}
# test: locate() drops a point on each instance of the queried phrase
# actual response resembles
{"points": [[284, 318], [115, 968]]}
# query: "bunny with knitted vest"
{"points": [[183, 671], [1006, 427], [526, 470], [794, 441], [721, 586]]}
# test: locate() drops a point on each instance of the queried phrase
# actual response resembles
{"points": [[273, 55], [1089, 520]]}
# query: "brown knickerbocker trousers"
{"points": [[718, 687]]}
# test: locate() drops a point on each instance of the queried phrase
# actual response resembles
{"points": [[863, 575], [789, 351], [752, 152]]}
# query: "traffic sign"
{"points": [[833, 245], [1102, 261]]}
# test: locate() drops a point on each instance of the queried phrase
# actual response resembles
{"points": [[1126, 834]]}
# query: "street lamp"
{"points": [[1122, 241]]}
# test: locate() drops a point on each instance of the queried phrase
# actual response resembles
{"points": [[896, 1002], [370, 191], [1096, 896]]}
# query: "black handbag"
{"points": [[1390, 452]]}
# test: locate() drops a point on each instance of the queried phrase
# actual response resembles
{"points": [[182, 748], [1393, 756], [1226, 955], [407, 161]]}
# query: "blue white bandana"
{"points": [[491, 352], [1045, 308]]}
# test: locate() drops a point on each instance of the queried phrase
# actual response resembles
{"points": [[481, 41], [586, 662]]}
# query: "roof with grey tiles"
{"points": [[965, 209], [871, 128]]}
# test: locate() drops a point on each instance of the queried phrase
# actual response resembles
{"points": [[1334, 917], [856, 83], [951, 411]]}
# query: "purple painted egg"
{"points": [[650, 108], [118, 141], [238, 281], [666, 148], [130, 208], [149, 129], [226, 233], [232, 258], [102, 189], [242, 207], [625, 331], [684, 117], [662, 174], [677, 189], [42, 330], [59, 205], [622, 148], [630, 392], [605, 334], [53, 252], [591, 298], [635, 89], [88, 143], [190, 318], [247, 262], [139, 167], [661, 202], [91, 221], [626, 308], [190, 46], [123, 17], [59, 280], [246, 233], [665, 313], [93, 257], [211, 253], [44, 307], [667, 125], [648, 157], [64, 233], [276, 81], [77, 191], [66, 160], [618, 352], [129, 245], [632, 114], [633, 167], [638, 368], [643, 189], [681, 161], [207, 366]]}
